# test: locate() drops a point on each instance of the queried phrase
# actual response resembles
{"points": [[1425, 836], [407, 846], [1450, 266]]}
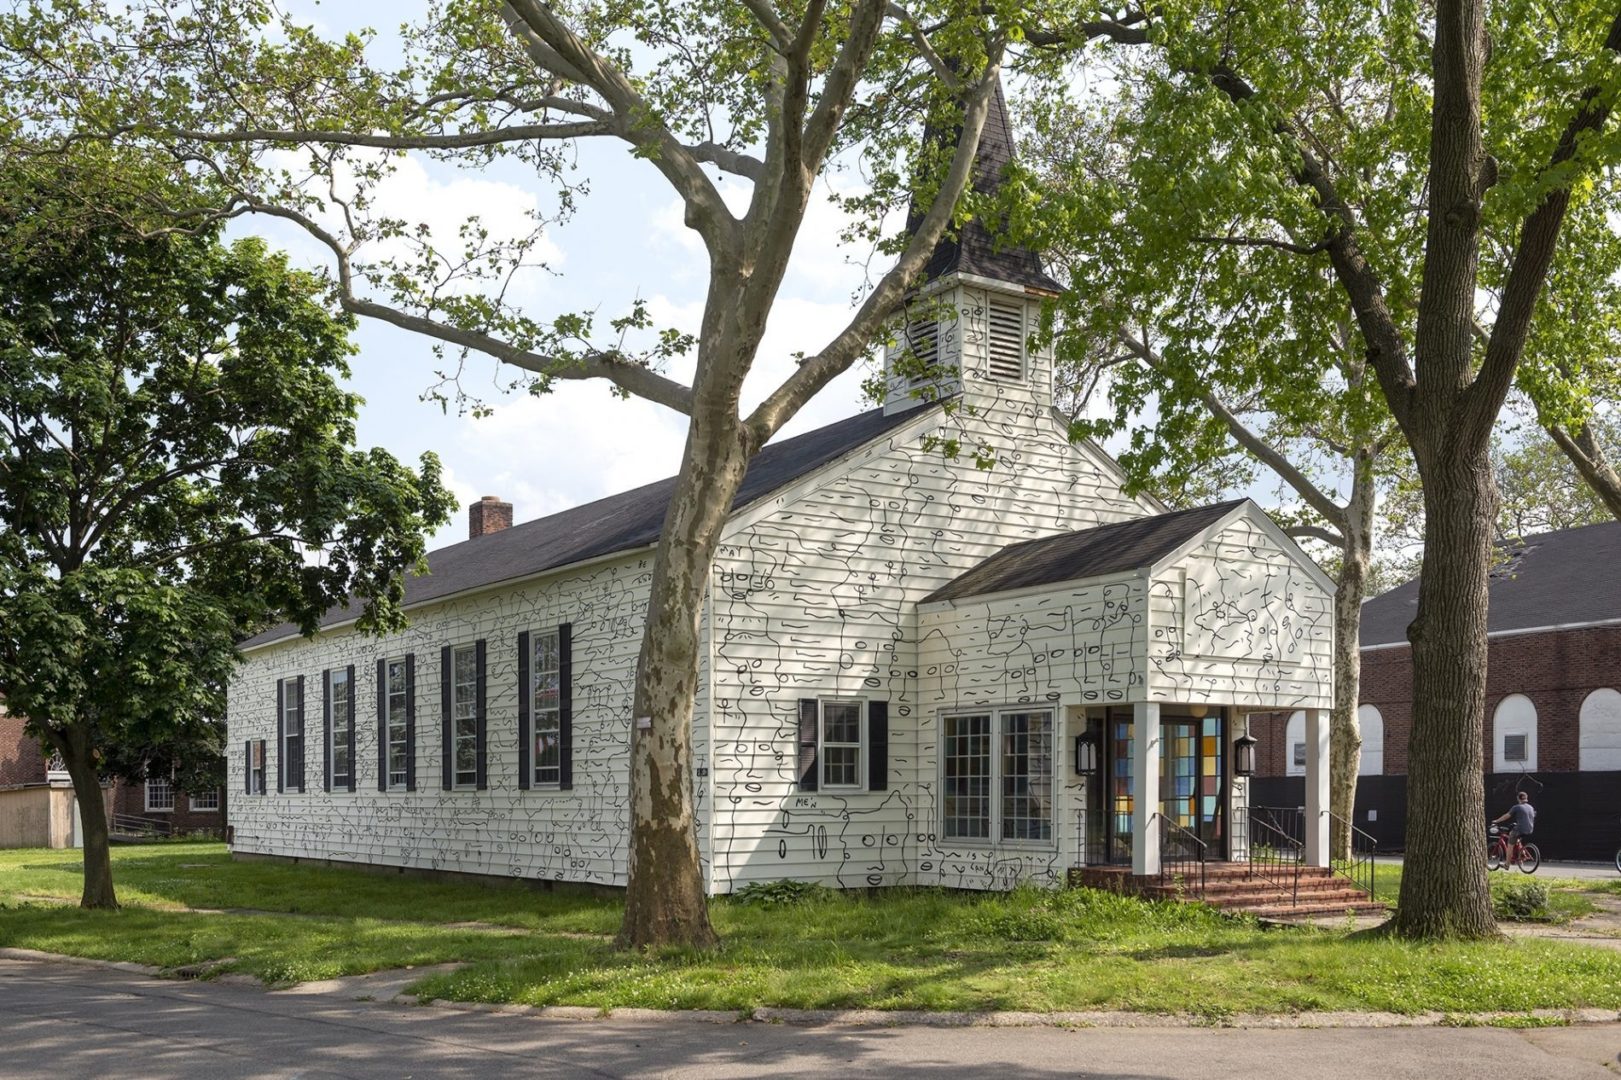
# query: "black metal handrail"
{"points": [[1275, 850], [130, 825], [1181, 855], [1360, 867]]}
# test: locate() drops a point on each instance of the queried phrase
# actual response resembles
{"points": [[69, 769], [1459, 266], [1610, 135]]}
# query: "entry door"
{"points": [[1192, 779]]}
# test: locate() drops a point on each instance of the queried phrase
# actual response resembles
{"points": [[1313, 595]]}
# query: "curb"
{"points": [[883, 1018]]}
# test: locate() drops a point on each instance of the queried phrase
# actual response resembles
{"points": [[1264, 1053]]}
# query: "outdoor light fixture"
{"points": [[1244, 752], [1086, 754]]}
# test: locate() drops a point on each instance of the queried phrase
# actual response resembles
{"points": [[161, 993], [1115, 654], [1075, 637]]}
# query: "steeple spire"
{"points": [[977, 249]]}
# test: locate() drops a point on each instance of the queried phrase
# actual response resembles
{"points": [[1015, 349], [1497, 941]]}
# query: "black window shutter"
{"points": [[524, 771], [809, 713], [877, 746], [410, 721], [326, 730], [354, 766], [447, 777], [247, 771], [483, 770], [281, 735], [382, 725], [565, 706], [296, 781]]}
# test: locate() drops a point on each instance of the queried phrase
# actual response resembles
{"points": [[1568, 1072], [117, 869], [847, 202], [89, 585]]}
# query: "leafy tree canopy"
{"points": [[176, 460]]}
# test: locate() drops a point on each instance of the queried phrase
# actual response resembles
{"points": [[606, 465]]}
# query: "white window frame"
{"points": [[822, 744], [196, 808], [292, 705], [403, 718], [256, 767], [463, 710], [341, 713], [998, 715], [167, 783], [548, 720]]}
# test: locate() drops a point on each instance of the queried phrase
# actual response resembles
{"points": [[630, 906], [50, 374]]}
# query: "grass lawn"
{"points": [[924, 949]]}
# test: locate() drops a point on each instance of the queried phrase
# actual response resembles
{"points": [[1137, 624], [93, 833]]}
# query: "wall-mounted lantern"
{"points": [[1244, 752], [1086, 753]]}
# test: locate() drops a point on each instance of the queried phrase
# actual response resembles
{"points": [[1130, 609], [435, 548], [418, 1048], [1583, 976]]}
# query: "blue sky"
{"points": [[580, 442]]}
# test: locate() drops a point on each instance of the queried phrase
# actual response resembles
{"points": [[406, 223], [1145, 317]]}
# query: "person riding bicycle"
{"points": [[1523, 821]]}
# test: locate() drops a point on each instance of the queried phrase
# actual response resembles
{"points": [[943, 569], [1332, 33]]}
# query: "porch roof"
{"points": [[1088, 553]]}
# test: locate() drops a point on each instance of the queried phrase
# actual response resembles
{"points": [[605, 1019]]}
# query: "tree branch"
{"points": [[632, 377], [1263, 451], [555, 47], [1264, 242], [817, 371], [459, 141], [1316, 532], [1581, 446], [1539, 238]]}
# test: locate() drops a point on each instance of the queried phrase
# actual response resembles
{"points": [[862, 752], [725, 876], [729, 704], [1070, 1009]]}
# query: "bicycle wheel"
{"points": [[1494, 856], [1530, 859], [1618, 860]]}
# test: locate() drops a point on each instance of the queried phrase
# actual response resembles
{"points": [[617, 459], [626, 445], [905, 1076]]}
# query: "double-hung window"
{"points": [[998, 775], [254, 766], [341, 737], [464, 716], [292, 734], [396, 723], [546, 706], [843, 744], [159, 794], [205, 801]]}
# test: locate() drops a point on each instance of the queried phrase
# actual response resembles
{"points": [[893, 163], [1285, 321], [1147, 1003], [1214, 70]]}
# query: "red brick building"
{"points": [[1553, 698], [37, 807]]}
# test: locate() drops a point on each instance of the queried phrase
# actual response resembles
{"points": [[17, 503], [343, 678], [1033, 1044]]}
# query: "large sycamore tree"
{"points": [[1411, 201], [176, 468], [761, 98]]}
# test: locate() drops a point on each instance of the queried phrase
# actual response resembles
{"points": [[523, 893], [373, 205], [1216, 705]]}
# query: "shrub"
{"points": [[781, 893], [1522, 901]]}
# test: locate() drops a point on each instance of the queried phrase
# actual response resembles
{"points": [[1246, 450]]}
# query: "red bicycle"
{"points": [[1525, 854]]}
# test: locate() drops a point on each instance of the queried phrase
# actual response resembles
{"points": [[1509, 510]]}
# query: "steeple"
{"points": [[968, 330], [976, 249]]}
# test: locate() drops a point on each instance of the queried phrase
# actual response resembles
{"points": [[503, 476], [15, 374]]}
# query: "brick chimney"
{"points": [[488, 515]]}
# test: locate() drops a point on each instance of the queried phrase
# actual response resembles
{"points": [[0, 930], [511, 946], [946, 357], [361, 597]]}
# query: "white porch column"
{"points": [[1145, 748], [1316, 824]]}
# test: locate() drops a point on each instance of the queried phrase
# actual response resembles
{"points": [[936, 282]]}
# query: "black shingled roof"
{"points": [[975, 249], [620, 522], [1106, 549], [1551, 579]]}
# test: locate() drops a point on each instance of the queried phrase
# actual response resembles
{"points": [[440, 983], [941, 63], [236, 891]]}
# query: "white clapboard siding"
{"points": [[1240, 621], [818, 597], [576, 835]]}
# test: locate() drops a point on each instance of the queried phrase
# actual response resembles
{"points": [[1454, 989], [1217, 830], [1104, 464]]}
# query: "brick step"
{"points": [[1213, 891], [1285, 912], [1349, 898]]}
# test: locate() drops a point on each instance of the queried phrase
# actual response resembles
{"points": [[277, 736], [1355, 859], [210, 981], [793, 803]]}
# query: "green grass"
{"points": [[920, 949]]}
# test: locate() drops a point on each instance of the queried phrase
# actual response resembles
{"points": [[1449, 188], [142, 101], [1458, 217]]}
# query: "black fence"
{"points": [[1578, 814]]}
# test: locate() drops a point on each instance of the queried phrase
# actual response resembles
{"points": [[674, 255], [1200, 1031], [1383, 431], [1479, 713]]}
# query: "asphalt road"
{"points": [[59, 1020]]}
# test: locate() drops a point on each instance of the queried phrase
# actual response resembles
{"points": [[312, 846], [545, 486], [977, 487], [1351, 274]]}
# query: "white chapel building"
{"points": [[914, 671]]}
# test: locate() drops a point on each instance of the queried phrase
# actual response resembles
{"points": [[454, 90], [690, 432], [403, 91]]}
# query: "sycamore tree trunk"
{"points": [[665, 899], [1444, 892], [1345, 730], [79, 756]]}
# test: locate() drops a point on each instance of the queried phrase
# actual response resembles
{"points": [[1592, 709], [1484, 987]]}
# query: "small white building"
{"points": [[900, 651]]}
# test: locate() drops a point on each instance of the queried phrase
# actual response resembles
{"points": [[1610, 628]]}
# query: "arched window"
{"points": [[1514, 735], [1294, 744], [1601, 731], [1373, 741]]}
